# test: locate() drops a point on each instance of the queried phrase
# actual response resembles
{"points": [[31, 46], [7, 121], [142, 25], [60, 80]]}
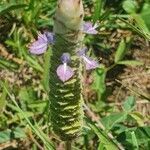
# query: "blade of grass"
{"points": [[134, 28], [47, 143], [97, 10], [9, 7]]}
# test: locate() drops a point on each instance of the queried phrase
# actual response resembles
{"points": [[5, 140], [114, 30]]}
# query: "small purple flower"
{"points": [[89, 28], [41, 44], [50, 37], [64, 72], [89, 62]]}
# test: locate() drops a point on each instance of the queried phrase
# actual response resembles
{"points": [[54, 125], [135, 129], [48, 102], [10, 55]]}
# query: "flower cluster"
{"points": [[64, 71]]}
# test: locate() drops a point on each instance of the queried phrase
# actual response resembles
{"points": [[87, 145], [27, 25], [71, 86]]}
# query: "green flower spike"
{"points": [[66, 97]]}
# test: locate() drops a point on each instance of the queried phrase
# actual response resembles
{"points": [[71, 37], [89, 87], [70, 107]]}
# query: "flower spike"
{"points": [[89, 62], [64, 72], [89, 28], [41, 44]]}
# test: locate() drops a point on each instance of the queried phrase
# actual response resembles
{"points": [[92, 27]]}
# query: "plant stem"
{"points": [[68, 145]]}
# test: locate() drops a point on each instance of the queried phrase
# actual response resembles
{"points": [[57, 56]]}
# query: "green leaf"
{"points": [[97, 10], [136, 29], [130, 63], [129, 104], [119, 128], [130, 6], [142, 135], [145, 13], [8, 64], [9, 7], [12, 134], [99, 82], [138, 117], [27, 94], [140, 23], [113, 119], [121, 50], [134, 141], [107, 142], [33, 63]]}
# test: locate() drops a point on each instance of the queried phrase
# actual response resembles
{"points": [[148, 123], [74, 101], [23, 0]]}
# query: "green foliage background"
{"points": [[24, 104]]}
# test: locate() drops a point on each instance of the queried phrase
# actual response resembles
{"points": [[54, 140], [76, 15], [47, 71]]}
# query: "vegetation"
{"points": [[116, 94]]}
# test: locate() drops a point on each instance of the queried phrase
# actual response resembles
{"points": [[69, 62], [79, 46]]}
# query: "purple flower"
{"points": [[89, 28], [50, 37], [89, 62], [41, 44], [64, 72]]}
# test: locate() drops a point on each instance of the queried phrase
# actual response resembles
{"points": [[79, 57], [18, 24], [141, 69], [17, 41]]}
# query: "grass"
{"points": [[113, 119]]}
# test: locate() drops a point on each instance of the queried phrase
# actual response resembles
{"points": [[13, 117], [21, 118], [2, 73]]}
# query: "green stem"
{"points": [[68, 145], [111, 67]]}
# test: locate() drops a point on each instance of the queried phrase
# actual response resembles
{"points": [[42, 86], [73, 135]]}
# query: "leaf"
{"points": [[27, 94], [119, 128], [97, 10], [121, 50], [129, 104], [9, 7], [99, 83], [130, 62], [113, 119], [130, 6], [139, 118], [140, 23], [145, 13], [33, 63], [8, 64], [19, 116], [12, 134], [142, 135], [107, 142], [136, 29], [134, 140]]}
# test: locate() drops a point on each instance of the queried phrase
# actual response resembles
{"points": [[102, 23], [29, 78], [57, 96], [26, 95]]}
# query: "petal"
{"points": [[65, 58], [38, 47], [87, 25], [42, 37], [81, 52], [90, 63], [89, 29], [50, 37], [64, 72]]}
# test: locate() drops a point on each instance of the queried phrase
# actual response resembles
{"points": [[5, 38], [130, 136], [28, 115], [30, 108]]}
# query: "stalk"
{"points": [[66, 97]]}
